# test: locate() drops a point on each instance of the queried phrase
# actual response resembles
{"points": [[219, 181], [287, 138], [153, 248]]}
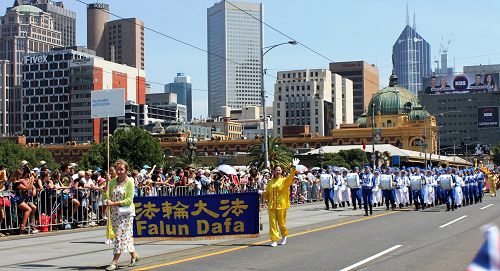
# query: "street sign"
{"points": [[107, 103]]}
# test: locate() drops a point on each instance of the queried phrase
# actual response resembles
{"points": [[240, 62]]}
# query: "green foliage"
{"points": [[496, 154], [279, 154], [11, 155], [345, 158], [134, 145]]}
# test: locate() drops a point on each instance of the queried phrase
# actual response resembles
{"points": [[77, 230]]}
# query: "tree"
{"points": [[279, 154], [345, 158], [11, 155], [134, 145], [496, 154]]}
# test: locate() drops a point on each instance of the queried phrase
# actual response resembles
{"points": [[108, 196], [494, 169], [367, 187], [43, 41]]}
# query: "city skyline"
{"points": [[377, 25]]}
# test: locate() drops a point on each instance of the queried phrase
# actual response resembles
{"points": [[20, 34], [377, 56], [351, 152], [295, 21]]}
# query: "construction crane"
{"points": [[443, 51]]}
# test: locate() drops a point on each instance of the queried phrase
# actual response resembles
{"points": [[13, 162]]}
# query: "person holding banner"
{"points": [[120, 199], [277, 194]]}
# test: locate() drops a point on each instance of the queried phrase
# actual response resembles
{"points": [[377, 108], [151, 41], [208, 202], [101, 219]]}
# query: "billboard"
{"points": [[107, 103], [487, 117], [328, 120], [465, 83]]}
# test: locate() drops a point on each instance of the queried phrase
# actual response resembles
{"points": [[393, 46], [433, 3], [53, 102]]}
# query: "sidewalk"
{"points": [[86, 249]]}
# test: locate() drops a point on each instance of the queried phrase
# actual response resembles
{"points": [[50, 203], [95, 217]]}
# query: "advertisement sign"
{"points": [[466, 83], [197, 217], [487, 117], [107, 103], [328, 119], [395, 160]]}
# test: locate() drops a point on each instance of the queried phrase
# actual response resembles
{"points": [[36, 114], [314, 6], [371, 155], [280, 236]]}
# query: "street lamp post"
{"points": [[264, 51], [191, 144]]}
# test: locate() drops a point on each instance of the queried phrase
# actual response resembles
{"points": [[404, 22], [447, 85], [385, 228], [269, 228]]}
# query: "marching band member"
{"points": [[405, 184], [430, 183], [459, 196], [356, 193], [376, 191], [326, 183], [418, 198], [337, 199], [389, 193], [465, 188], [278, 196], [448, 193], [399, 189], [473, 186], [346, 192], [480, 183], [366, 189]]}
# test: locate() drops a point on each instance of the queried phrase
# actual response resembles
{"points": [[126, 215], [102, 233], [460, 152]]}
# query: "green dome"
{"points": [[419, 114], [362, 120], [27, 9], [392, 100]]}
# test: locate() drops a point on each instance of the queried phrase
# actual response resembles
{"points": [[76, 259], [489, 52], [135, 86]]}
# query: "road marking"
{"points": [[259, 243], [451, 222], [370, 258], [489, 205]]}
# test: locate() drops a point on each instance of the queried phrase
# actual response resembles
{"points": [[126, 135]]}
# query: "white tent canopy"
{"points": [[392, 150]]}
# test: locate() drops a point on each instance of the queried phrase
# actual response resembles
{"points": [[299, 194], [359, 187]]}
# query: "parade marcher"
{"points": [[480, 183], [376, 191], [398, 189], [346, 192], [326, 183], [366, 189], [120, 198], [356, 192], [277, 194], [449, 198], [405, 188], [430, 183], [417, 183], [459, 196], [337, 183], [387, 192]]}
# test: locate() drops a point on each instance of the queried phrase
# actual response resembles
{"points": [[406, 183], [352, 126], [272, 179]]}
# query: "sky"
{"points": [[339, 30]]}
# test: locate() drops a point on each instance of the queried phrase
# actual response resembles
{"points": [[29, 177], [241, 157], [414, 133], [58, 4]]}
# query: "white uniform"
{"points": [[337, 197], [459, 196], [430, 182], [399, 190], [376, 191], [346, 192], [405, 195]]}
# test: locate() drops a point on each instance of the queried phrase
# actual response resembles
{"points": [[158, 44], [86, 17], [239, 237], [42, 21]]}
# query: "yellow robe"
{"points": [[278, 196]]}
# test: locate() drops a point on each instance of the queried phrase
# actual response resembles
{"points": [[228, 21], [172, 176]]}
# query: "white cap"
{"points": [[73, 164], [42, 162], [24, 162]]}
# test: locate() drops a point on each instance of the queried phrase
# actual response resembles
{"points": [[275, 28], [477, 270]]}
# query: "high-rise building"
{"points": [[365, 78], [64, 19], [313, 99], [183, 88], [234, 40], [411, 58], [23, 29], [120, 41]]}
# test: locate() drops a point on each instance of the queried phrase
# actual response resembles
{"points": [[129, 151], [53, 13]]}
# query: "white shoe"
{"points": [[108, 242], [274, 244], [283, 241]]}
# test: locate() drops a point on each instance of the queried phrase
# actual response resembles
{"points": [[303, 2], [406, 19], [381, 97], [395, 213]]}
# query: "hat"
{"points": [[143, 171], [207, 171], [35, 169], [101, 180], [146, 167], [24, 162], [73, 165], [42, 162]]}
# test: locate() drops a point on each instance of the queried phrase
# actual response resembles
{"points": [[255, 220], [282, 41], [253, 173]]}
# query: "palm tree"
{"points": [[279, 154]]}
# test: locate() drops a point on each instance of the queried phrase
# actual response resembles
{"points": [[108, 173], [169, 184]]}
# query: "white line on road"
{"points": [[453, 221], [489, 205], [370, 258]]}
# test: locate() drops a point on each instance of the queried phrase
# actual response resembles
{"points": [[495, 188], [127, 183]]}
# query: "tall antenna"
{"points": [[407, 15], [414, 22]]}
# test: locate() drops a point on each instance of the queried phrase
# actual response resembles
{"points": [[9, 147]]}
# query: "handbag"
{"points": [[125, 210]]}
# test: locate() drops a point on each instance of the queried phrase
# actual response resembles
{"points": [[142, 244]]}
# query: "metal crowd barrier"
{"points": [[69, 208]]}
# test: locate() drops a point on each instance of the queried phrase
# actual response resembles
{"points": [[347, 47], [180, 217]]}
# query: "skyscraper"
{"points": [[234, 40], [64, 19], [120, 41], [365, 78], [411, 58], [183, 88], [23, 29]]}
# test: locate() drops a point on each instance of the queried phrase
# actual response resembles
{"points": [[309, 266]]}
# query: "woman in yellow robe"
{"points": [[278, 196]]}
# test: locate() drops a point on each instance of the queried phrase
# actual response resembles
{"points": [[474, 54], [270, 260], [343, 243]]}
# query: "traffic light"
{"points": [[462, 144]]}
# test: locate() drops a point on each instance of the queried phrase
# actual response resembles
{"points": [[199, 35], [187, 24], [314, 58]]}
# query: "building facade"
{"points": [[64, 19], [234, 39], [96, 74], [411, 55], [168, 101], [120, 41], [23, 29], [313, 98], [365, 78], [182, 87], [47, 94]]}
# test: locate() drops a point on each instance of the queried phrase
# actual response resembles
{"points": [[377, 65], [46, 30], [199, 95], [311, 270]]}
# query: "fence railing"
{"points": [[68, 208]]}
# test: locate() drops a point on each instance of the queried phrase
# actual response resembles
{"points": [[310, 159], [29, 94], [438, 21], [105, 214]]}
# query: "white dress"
{"points": [[337, 199], [458, 190], [376, 191], [405, 195]]}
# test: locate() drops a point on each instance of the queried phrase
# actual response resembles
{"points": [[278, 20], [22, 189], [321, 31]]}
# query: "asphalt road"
{"points": [[319, 240]]}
